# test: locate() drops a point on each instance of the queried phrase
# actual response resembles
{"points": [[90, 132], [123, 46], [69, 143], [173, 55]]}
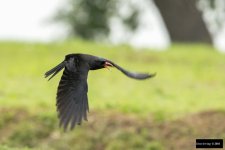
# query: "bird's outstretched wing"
{"points": [[134, 75], [72, 100]]}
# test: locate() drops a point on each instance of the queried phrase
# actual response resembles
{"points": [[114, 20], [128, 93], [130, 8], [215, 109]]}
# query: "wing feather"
{"points": [[72, 99], [134, 75]]}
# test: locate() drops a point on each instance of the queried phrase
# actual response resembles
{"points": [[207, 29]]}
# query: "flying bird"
{"points": [[72, 99]]}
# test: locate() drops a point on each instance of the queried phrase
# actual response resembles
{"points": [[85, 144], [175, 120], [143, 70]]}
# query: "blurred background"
{"points": [[182, 40]]}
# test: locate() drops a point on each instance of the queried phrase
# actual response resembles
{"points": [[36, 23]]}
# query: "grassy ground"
{"points": [[124, 113]]}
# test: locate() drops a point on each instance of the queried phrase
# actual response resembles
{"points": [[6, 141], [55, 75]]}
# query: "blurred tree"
{"points": [[89, 19], [215, 9], [184, 21]]}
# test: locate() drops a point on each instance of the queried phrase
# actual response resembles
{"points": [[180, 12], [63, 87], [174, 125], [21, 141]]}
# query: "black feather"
{"points": [[72, 100], [139, 76], [55, 70]]}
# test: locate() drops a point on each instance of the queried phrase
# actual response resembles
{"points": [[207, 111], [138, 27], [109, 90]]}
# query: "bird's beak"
{"points": [[107, 65]]}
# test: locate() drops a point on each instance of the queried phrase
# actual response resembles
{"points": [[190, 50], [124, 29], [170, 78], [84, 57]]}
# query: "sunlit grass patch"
{"points": [[189, 78]]}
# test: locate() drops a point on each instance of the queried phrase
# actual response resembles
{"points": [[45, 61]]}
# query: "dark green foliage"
{"points": [[89, 19]]}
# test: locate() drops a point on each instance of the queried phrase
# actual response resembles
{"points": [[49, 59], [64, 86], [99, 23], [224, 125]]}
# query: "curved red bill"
{"points": [[107, 65]]}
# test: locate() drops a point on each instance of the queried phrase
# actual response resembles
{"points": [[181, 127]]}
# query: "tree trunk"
{"points": [[183, 21]]}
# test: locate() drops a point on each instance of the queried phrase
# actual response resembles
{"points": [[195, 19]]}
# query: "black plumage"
{"points": [[72, 99]]}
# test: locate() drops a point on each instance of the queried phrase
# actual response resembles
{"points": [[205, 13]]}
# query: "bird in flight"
{"points": [[72, 99]]}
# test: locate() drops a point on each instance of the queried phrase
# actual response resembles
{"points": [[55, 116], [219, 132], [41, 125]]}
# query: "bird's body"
{"points": [[72, 99]]}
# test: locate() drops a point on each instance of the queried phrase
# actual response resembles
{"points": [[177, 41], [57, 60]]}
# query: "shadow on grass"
{"points": [[20, 129]]}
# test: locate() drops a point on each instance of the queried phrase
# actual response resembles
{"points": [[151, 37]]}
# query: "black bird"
{"points": [[72, 99]]}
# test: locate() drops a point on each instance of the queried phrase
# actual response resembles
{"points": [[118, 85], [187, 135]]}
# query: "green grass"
{"points": [[190, 78]]}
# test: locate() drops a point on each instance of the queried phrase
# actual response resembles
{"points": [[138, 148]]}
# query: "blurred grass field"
{"points": [[190, 79]]}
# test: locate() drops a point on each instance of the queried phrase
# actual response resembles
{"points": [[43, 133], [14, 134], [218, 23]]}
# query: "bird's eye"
{"points": [[103, 62]]}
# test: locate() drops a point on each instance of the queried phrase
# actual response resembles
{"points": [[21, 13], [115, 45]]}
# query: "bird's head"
{"points": [[100, 63]]}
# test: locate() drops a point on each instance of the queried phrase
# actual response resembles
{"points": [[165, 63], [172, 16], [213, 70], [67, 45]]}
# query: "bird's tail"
{"points": [[55, 70]]}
